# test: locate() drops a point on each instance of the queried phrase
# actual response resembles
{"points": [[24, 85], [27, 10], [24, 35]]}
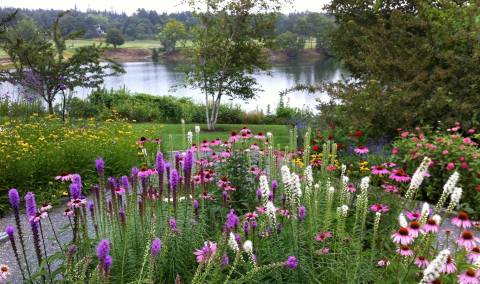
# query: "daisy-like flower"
{"points": [[361, 150], [64, 176], [404, 251], [469, 277], [251, 216], [260, 135], [119, 190], [383, 263], [351, 188], [323, 236], [449, 266], [77, 203], [387, 187], [379, 170], [399, 175], [215, 142], [254, 147], [206, 253], [414, 228], [402, 236], [68, 212], [432, 225], [414, 215], [389, 164], [46, 207], [323, 251], [461, 220], [4, 273], [234, 137], [467, 239], [377, 207], [421, 262], [38, 216], [474, 255]]}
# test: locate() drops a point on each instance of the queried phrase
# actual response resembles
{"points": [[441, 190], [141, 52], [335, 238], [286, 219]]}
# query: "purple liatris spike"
{"points": [[135, 172], [187, 165], [246, 228], [292, 262], [232, 220], [30, 204], [301, 213], [72, 249], [14, 198], [174, 179], [100, 165], [103, 249], [225, 197], [121, 214], [126, 183], [107, 263], [274, 189], [112, 183], [254, 225], [195, 204], [177, 160], [225, 260], [159, 163], [90, 205], [76, 178], [75, 191], [259, 194], [173, 224], [156, 247]]}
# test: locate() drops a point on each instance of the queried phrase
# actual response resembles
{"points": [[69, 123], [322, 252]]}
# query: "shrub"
{"points": [[449, 151]]}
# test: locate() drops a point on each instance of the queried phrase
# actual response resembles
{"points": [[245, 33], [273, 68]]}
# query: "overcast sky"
{"points": [[129, 6]]}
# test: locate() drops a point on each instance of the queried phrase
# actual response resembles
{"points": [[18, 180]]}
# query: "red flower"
{"points": [[359, 133], [477, 187], [316, 148]]}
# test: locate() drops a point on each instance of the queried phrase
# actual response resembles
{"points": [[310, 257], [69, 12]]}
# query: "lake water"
{"points": [[158, 79]]}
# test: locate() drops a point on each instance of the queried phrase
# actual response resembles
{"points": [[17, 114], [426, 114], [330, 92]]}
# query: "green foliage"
{"points": [[26, 28], [413, 63], [291, 43], [173, 32], [115, 37]]}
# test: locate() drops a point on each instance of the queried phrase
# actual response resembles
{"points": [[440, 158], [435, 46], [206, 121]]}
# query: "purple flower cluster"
{"points": [[156, 247], [291, 262], [232, 220], [104, 259]]}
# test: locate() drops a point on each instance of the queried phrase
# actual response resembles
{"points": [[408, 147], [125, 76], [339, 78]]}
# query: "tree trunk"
{"points": [[50, 105]]}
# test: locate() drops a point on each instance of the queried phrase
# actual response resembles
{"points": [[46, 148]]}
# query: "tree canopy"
{"points": [[115, 37], [172, 32]]}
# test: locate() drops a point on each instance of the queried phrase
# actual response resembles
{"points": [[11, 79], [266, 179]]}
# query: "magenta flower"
{"points": [[474, 255], [291, 262], [103, 249], [402, 236], [461, 220], [467, 240], [414, 228], [421, 262], [404, 251], [430, 227], [206, 253], [382, 208], [399, 175], [323, 236], [379, 170], [449, 267], [301, 213], [387, 187], [14, 198], [351, 188], [469, 277], [383, 263], [360, 150], [232, 220], [413, 215], [30, 205], [100, 165]]}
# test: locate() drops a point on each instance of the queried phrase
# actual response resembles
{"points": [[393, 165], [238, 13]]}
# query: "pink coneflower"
{"points": [[431, 226], [234, 137], [351, 188], [222, 182], [383, 263], [414, 215], [360, 150], [260, 135], [261, 210], [323, 236], [467, 240], [251, 216], [323, 251], [399, 175], [402, 236], [144, 172], [285, 213], [421, 262], [469, 277], [474, 255], [387, 187], [331, 168], [414, 228], [404, 251], [39, 215], [226, 154], [389, 164], [461, 220], [379, 170], [64, 176], [206, 196], [254, 147], [77, 203], [4, 273], [46, 207], [206, 253], [68, 212], [229, 188], [449, 267], [377, 207], [119, 190]]}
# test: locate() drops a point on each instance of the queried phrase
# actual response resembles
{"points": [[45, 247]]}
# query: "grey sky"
{"points": [[129, 6]]}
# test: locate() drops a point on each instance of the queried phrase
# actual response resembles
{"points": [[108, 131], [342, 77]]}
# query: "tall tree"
{"points": [[115, 37], [228, 47], [40, 64], [172, 32]]}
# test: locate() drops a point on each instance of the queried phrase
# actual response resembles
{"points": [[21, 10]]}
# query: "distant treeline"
{"points": [[144, 24]]}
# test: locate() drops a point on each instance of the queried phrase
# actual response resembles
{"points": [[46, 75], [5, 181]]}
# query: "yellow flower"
{"points": [[64, 193]]}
